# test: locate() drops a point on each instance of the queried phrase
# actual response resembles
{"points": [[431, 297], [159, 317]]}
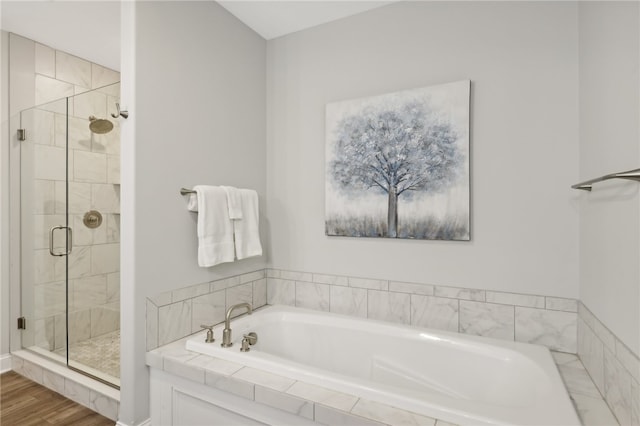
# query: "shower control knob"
{"points": [[92, 219]]}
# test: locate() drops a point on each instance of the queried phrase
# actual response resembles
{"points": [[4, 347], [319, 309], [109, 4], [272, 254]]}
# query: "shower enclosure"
{"points": [[70, 231]]}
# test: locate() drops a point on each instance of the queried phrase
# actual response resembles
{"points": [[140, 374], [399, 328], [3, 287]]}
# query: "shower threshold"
{"points": [[98, 357], [49, 369]]}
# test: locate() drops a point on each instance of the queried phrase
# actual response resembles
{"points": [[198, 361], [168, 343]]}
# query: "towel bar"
{"points": [[630, 175], [185, 191]]}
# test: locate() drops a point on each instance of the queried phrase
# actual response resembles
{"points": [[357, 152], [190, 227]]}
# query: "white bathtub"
{"points": [[449, 376]]}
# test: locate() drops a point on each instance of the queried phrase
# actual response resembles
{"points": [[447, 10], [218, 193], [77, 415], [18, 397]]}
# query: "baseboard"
{"points": [[143, 423], [5, 363]]}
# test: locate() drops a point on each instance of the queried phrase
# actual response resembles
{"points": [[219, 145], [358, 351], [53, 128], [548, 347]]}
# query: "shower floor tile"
{"points": [[101, 353]]}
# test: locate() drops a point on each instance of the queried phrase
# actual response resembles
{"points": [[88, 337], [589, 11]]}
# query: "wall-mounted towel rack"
{"points": [[629, 175], [185, 191]]}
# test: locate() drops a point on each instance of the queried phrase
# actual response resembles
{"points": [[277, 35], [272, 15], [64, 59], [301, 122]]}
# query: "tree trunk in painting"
{"points": [[392, 213]]}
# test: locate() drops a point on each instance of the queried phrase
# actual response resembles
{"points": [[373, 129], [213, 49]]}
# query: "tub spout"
{"points": [[226, 333]]}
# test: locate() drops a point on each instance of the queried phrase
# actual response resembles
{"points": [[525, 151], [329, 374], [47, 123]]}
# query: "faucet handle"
{"points": [[209, 328], [245, 345], [252, 338], [248, 339]]}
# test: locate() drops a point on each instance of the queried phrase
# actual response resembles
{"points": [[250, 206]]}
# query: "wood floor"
{"points": [[26, 403]]}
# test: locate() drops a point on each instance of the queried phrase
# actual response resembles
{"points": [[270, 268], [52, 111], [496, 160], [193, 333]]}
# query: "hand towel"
{"points": [[192, 204], [234, 201], [246, 230], [215, 229]]}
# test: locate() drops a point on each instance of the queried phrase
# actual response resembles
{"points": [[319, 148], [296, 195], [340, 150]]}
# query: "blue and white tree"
{"points": [[395, 150]]}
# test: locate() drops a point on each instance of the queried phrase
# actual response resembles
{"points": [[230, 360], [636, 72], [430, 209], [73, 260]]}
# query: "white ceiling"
{"points": [[273, 19], [90, 29]]}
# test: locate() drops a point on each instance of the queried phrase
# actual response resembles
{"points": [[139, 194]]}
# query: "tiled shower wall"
{"points": [[94, 183]]}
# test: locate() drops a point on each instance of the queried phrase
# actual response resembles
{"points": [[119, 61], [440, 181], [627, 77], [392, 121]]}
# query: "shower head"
{"points": [[100, 125]]}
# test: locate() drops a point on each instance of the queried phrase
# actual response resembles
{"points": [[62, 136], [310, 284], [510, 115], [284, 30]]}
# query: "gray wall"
{"points": [[522, 60], [194, 83], [610, 142]]}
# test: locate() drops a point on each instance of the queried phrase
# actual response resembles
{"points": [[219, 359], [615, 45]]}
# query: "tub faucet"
{"points": [[226, 333]]}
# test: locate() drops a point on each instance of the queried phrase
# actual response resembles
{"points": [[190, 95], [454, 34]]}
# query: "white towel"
{"points": [[234, 201], [192, 204], [215, 230], [247, 235]]}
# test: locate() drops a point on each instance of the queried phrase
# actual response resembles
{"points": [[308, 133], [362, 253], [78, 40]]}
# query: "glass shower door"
{"points": [[45, 237]]}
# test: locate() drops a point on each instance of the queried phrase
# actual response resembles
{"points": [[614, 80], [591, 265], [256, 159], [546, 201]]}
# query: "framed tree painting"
{"points": [[397, 165]]}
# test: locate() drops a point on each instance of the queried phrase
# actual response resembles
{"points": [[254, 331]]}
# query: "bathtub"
{"points": [[448, 376]]}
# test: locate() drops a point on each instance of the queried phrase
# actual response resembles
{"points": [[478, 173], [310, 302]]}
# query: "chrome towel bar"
{"points": [[629, 175], [185, 191]]}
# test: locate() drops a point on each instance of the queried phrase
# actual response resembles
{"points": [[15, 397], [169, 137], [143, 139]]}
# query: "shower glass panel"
{"points": [[43, 169], [70, 191]]}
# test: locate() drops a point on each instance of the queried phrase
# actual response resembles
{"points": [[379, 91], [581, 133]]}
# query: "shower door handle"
{"points": [[69, 241]]}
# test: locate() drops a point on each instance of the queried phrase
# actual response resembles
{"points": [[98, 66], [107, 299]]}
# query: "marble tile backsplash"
{"points": [[175, 314], [615, 369], [550, 321]]}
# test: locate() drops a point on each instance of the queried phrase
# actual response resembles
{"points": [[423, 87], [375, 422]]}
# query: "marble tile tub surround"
{"points": [[544, 320], [179, 313], [96, 396], [615, 369], [326, 406], [562, 324], [589, 404]]}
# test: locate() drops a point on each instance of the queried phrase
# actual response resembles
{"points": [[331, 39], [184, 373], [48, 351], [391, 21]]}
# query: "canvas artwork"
{"points": [[397, 165]]}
